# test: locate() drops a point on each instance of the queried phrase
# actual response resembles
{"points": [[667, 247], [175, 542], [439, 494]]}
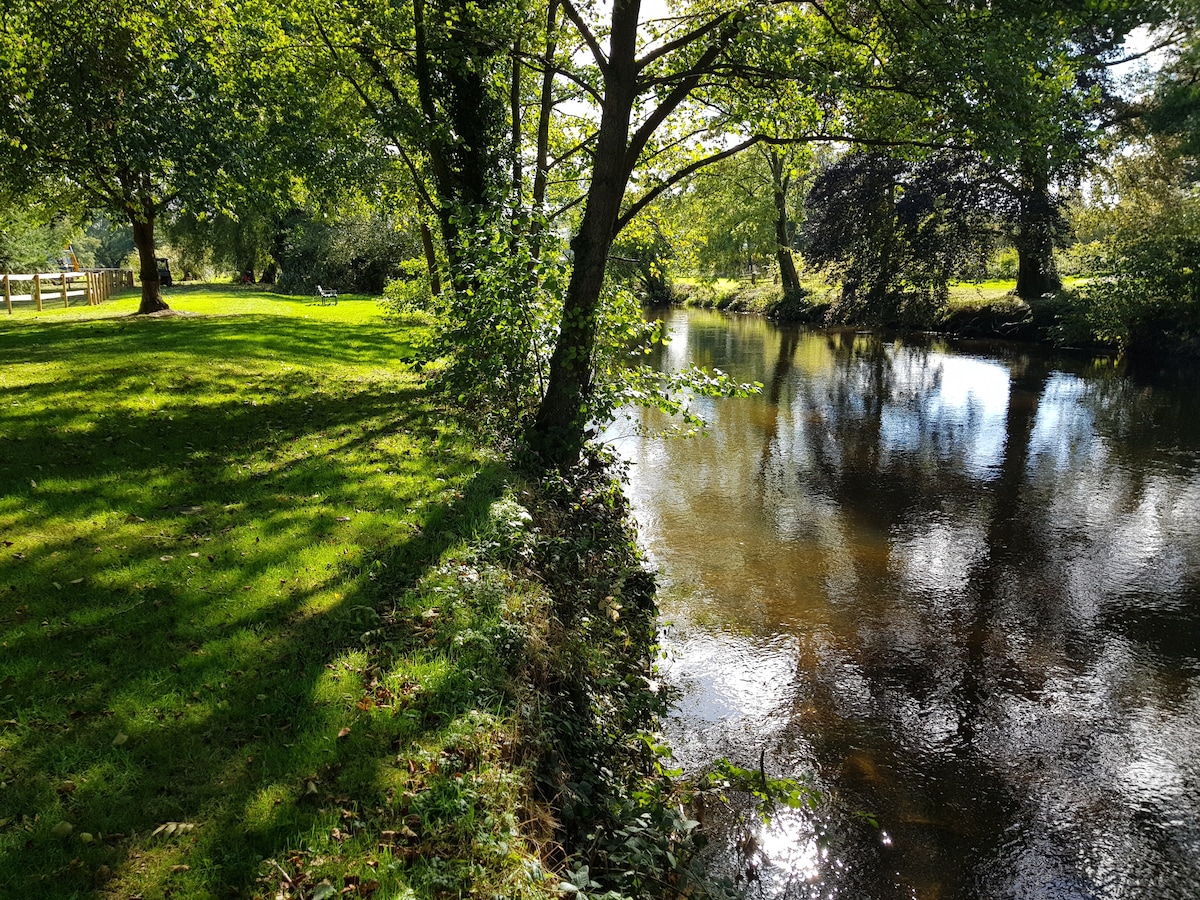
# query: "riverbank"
{"points": [[278, 624], [986, 309], [978, 309]]}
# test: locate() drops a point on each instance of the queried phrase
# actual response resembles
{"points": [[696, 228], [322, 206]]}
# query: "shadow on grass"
{"points": [[196, 517]]}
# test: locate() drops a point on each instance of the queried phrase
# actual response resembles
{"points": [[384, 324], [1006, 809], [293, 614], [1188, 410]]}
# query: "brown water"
{"points": [[959, 587]]}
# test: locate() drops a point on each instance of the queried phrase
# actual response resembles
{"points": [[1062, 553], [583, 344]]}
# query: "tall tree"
{"points": [[117, 101], [1040, 120]]}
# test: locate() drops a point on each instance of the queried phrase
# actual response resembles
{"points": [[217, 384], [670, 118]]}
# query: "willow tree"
{"points": [[117, 102]]}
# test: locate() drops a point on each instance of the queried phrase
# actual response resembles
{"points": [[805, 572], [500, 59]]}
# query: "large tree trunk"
{"points": [[1038, 222], [1036, 272], [143, 239], [558, 430]]}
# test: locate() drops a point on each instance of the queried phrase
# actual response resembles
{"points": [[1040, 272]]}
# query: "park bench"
{"points": [[327, 297]]}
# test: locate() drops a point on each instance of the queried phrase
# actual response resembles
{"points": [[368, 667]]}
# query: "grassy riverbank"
{"points": [[764, 296], [275, 624], [976, 308]]}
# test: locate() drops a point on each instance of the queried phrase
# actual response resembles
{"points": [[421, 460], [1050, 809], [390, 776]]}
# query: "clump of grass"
{"points": [[245, 647]]}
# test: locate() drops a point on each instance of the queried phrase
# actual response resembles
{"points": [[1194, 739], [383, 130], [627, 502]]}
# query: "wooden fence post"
{"points": [[63, 281], [37, 290], [8, 293]]}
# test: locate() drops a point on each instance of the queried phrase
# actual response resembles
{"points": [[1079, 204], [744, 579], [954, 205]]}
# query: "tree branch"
{"points": [[655, 192], [586, 33], [683, 40], [687, 83]]}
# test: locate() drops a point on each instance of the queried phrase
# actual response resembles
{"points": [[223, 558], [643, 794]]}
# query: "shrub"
{"points": [[354, 254], [1146, 293]]}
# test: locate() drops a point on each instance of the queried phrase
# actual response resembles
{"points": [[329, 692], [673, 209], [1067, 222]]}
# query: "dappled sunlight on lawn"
{"points": [[198, 521]]}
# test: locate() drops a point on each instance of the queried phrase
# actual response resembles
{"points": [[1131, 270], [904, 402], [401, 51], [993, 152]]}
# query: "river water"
{"points": [[955, 586]]}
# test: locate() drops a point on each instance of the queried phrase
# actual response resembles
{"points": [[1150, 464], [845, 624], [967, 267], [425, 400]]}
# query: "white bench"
{"points": [[327, 297]]}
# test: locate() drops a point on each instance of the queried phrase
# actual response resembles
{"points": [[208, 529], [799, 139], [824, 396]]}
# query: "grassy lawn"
{"points": [[982, 293], [244, 649]]}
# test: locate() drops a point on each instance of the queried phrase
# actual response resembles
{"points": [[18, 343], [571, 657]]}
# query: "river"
{"points": [[955, 586]]}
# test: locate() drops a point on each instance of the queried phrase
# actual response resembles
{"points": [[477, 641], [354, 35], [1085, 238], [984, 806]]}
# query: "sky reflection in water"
{"points": [[962, 589]]}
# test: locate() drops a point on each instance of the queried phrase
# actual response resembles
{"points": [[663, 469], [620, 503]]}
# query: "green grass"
{"points": [[982, 293], [208, 300], [236, 593]]}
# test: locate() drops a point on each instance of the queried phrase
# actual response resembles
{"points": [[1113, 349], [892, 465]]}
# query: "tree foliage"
{"points": [[32, 236], [894, 232], [117, 102], [1144, 290]]}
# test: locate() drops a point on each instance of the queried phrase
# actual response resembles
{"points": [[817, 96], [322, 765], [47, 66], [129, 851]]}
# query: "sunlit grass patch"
{"points": [[983, 293], [209, 300], [220, 536]]}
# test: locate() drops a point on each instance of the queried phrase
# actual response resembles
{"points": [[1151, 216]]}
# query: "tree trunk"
{"points": [[143, 239], [514, 102], [1036, 273], [558, 430], [431, 263], [788, 276], [780, 182], [1038, 222], [545, 113]]}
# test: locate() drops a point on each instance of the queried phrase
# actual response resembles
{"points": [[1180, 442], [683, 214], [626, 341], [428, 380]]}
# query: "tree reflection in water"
{"points": [[961, 586]]}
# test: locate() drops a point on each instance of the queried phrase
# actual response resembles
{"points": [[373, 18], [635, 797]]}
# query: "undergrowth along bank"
{"points": [[276, 623], [1075, 317]]}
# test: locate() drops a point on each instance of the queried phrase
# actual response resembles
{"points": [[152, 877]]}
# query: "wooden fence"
{"points": [[94, 285]]}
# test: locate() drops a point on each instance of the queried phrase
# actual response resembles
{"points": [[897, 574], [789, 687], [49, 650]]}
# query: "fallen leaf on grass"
{"points": [[62, 829], [165, 558], [120, 739], [343, 732], [169, 828], [324, 891], [343, 518], [77, 581]]}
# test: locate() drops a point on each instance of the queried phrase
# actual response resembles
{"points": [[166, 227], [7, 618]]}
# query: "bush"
{"points": [[1146, 293], [357, 254], [1004, 264], [411, 292]]}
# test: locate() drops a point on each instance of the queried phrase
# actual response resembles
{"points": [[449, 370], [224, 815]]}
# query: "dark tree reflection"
{"points": [[962, 587]]}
